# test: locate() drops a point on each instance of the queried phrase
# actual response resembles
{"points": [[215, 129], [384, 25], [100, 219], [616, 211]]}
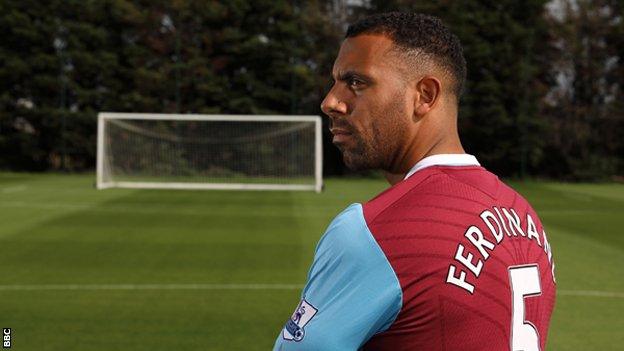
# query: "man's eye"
{"points": [[355, 83]]}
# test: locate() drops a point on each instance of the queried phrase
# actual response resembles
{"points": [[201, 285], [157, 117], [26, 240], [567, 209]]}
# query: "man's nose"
{"points": [[332, 105]]}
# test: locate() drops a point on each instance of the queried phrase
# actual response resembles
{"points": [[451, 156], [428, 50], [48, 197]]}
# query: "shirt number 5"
{"points": [[525, 282]]}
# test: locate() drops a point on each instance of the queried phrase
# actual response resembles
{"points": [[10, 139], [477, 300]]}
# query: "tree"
{"points": [[584, 107], [65, 61]]}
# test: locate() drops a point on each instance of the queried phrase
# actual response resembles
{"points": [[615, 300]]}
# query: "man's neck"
{"points": [[393, 178], [449, 145]]}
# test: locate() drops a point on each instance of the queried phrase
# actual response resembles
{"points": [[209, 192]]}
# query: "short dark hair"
{"points": [[420, 33]]}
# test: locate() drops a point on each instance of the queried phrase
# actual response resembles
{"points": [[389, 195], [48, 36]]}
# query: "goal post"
{"points": [[191, 151]]}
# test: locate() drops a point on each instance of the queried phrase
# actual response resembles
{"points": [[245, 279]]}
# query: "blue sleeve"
{"points": [[351, 294]]}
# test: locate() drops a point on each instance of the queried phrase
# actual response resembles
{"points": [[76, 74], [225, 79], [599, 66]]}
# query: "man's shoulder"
{"points": [[437, 184], [347, 235]]}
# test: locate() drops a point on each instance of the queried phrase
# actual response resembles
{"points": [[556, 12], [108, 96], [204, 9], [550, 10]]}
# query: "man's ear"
{"points": [[428, 91]]}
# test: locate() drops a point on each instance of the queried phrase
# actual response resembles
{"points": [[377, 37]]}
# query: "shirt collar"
{"points": [[443, 160]]}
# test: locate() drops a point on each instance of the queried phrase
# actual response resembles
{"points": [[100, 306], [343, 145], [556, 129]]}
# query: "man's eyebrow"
{"points": [[346, 75]]}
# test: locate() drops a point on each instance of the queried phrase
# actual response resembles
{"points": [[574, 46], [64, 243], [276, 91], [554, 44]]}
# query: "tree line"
{"points": [[544, 97]]}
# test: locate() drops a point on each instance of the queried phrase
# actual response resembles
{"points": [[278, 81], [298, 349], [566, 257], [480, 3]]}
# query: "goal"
{"points": [[184, 151]]}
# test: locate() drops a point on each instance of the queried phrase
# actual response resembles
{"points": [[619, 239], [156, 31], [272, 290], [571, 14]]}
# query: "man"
{"points": [[448, 258]]}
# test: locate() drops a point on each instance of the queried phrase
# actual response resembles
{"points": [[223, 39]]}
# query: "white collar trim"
{"points": [[443, 160]]}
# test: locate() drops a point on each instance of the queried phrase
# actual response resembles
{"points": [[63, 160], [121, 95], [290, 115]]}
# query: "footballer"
{"points": [[448, 257]]}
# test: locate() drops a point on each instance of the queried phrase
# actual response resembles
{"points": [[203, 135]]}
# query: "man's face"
{"points": [[368, 105]]}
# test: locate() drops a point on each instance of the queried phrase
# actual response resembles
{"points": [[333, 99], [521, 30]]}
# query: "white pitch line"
{"points": [[13, 189], [267, 211], [23, 287], [259, 286]]}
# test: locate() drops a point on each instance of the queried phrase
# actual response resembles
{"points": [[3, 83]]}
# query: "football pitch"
{"points": [[119, 269]]}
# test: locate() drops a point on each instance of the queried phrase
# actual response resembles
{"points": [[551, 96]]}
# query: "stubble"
{"points": [[376, 145]]}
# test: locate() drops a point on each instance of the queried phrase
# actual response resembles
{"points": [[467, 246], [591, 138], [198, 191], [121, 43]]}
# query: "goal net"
{"points": [[175, 151]]}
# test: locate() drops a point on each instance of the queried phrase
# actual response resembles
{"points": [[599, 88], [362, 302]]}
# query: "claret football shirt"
{"points": [[450, 258]]}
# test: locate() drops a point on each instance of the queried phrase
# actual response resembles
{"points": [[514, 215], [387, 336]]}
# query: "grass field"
{"points": [[188, 270]]}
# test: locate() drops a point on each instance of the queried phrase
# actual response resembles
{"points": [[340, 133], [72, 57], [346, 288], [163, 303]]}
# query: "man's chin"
{"points": [[355, 163]]}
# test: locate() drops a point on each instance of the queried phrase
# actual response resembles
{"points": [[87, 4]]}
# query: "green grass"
{"points": [[57, 229]]}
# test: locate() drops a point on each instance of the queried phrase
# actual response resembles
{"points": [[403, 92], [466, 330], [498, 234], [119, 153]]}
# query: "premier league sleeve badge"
{"points": [[302, 315]]}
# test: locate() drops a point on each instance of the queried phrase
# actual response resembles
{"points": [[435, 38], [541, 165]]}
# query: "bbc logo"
{"points": [[6, 340]]}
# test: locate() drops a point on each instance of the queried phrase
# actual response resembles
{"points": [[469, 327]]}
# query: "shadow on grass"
{"points": [[163, 236]]}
